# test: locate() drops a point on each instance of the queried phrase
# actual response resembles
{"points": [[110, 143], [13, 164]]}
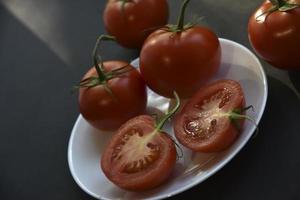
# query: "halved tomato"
{"points": [[137, 158], [210, 120]]}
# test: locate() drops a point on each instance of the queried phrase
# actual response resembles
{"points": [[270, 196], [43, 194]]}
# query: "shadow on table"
{"points": [[295, 79]]}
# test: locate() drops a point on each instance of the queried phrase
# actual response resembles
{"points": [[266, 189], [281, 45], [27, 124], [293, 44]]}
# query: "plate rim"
{"points": [[209, 174]]}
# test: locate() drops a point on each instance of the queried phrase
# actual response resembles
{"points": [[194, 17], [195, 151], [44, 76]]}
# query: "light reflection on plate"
{"points": [[86, 143]]}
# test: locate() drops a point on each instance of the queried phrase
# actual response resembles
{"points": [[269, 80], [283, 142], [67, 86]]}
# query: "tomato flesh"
{"points": [[204, 123], [138, 158]]}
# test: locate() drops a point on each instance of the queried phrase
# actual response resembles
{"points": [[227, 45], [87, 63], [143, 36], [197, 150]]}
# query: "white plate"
{"points": [[86, 144]]}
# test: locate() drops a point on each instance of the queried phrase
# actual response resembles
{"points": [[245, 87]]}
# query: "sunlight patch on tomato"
{"points": [[284, 33], [260, 16]]}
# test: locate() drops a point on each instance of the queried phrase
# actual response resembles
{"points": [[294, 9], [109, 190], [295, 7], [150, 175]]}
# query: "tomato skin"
{"points": [[138, 20], [277, 38], [225, 133], [129, 99], [181, 61], [150, 177]]}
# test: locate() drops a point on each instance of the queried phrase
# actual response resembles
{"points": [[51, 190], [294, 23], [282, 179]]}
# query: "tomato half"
{"points": [[108, 108], [204, 123], [131, 21], [275, 34], [135, 158]]}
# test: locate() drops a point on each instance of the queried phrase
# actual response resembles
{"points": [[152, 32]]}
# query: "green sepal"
{"points": [[288, 6]]}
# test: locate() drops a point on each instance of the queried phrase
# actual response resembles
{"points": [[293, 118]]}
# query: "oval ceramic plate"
{"points": [[86, 144]]}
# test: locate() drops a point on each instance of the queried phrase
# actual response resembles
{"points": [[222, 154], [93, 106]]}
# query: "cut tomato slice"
{"points": [[138, 158], [205, 123]]}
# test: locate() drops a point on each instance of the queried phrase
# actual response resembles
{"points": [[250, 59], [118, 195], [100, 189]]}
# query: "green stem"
{"points": [[125, 1], [278, 3], [162, 122], [236, 115], [180, 21], [99, 68], [281, 2]]}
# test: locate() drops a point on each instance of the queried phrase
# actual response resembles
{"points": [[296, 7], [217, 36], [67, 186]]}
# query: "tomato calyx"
{"points": [[284, 5], [123, 3], [237, 114], [281, 6], [180, 26], [103, 76]]}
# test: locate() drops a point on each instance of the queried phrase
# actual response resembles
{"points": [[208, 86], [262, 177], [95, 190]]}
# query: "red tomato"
{"points": [[137, 157], [205, 124], [180, 62], [276, 35], [179, 58], [131, 21], [108, 111]]}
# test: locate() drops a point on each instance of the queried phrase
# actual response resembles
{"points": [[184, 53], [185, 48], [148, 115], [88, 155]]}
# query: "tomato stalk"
{"points": [[279, 5], [123, 2], [162, 122], [283, 5], [181, 25], [103, 76], [99, 68], [180, 20], [236, 115]]}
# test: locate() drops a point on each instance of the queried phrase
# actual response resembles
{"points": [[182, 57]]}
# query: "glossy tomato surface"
{"points": [[181, 61], [203, 124], [276, 36], [134, 160], [135, 21], [109, 111]]}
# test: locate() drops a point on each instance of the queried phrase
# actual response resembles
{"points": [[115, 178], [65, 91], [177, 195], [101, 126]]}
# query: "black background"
{"points": [[45, 49]]}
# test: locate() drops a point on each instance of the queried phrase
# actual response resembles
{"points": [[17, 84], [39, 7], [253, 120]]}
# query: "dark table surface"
{"points": [[45, 49]]}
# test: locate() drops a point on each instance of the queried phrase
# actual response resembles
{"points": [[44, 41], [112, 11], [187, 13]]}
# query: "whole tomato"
{"points": [[180, 58], [111, 93], [108, 106], [274, 32], [131, 21], [140, 155]]}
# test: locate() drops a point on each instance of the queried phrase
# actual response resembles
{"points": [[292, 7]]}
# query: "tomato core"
{"points": [[135, 152]]}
